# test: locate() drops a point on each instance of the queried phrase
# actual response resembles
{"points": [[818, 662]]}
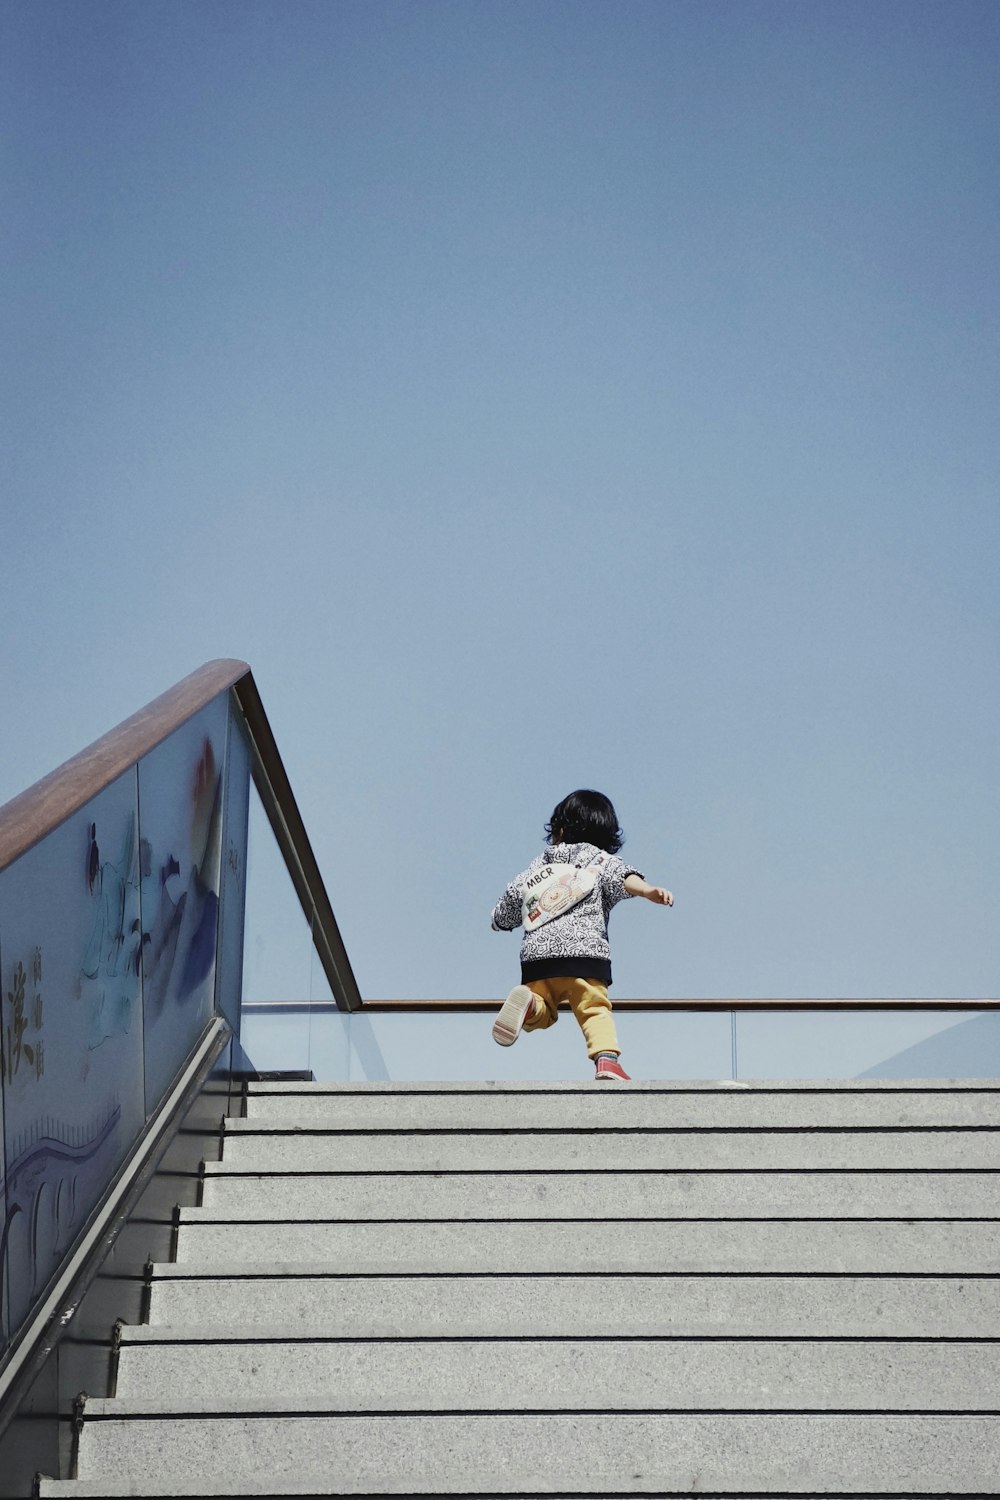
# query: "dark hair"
{"points": [[585, 818]]}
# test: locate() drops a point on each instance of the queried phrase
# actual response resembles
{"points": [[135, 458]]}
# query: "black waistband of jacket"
{"points": [[567, 968]]}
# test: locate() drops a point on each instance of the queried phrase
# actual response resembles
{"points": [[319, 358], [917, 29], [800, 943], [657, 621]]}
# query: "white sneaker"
{"points": [[515, 1010]]}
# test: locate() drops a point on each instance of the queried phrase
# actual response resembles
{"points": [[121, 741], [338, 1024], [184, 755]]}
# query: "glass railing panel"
{"points": [[459, 1046], [456, 1046], [964, 1046], [673, 1046], [277, 959], [868, 1044], [72, 1032], [181, 806], [293, 1039], [676, 1044], [283, 977]]}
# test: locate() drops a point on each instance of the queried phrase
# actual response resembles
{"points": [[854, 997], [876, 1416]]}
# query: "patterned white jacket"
{"points": [[576, 943]]}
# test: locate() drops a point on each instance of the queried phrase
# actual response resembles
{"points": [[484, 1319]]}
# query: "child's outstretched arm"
{"points": [[636, 886]]}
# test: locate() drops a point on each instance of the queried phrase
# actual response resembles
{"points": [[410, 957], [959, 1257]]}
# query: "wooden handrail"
{"points": [[675, 1003], [27, 818]]}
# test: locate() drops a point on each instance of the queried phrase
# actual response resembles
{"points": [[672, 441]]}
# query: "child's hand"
{"points": [[636, 886]]}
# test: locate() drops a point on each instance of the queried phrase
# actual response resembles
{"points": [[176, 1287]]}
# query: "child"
{"points": [[564, 899]]}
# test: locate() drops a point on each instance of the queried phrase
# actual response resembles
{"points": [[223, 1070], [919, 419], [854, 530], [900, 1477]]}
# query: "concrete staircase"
{"points": [[582, 1290]]}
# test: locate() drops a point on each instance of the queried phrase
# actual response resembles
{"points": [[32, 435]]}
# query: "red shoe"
{"points": [[518, 1007], [610, 1070]]}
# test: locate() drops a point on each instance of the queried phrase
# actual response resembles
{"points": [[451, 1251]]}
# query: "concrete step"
{"points": [[328, 1302], [598, 1247], [602, 1106], [788, 1290], [269, 1088], [529, 1454], [252, 1146], [578, 1195], [240, 1376]]}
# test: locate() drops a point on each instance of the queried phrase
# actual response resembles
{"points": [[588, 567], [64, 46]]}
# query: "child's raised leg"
{"points": [[529, 1009]]}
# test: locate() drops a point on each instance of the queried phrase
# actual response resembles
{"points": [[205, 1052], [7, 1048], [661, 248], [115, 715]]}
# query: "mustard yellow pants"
{"points": [[587, 999]]}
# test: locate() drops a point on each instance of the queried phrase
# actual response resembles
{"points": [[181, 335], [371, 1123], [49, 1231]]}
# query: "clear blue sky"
{"points": [[537, 395]]}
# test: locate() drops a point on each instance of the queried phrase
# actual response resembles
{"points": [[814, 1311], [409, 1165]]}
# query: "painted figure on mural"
{"points": [[52, 1166], [179, 949], [110, 963]]}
